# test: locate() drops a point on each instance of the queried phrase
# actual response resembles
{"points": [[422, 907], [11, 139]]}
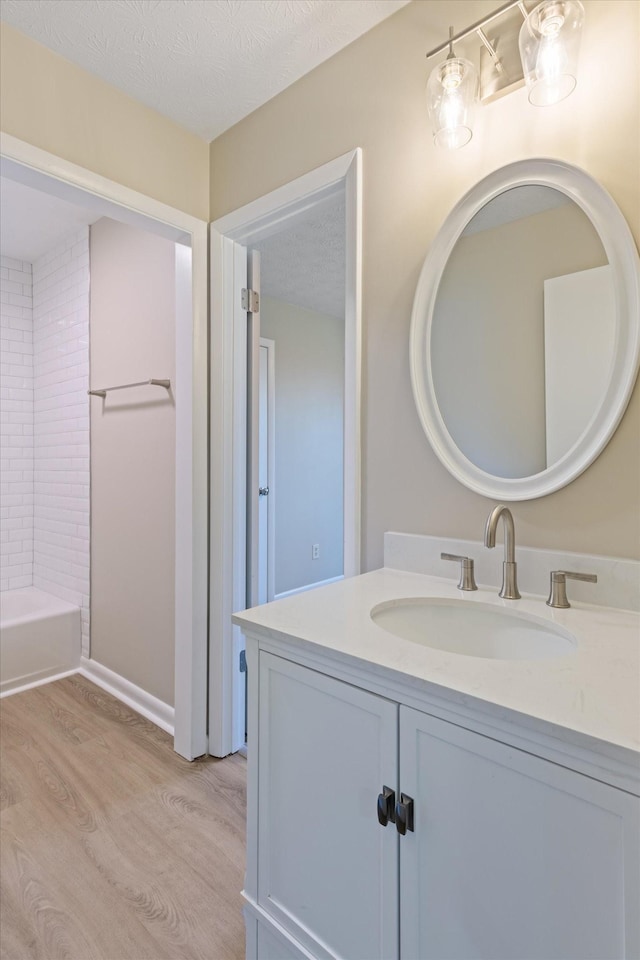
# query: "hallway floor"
{"points": [[113, 847]]}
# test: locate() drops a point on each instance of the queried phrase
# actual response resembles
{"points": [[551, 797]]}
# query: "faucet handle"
{"points": [[558, 586], [467, 580]]}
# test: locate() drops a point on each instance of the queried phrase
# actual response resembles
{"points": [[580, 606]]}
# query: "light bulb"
{"points": [[452, 93], [451, 111], [551, 20], [551, 64], [549, 45], [451, 75]]}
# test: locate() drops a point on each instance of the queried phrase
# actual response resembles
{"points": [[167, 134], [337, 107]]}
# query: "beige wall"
{"points": [[132, 332], [372, 95], [57, 106], [309, 412]]}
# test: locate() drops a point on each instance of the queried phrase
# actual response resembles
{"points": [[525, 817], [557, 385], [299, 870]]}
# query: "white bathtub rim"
{"points": [[144, 703], [47, 606]]}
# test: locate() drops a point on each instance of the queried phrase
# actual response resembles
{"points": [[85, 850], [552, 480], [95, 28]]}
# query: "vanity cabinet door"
{"points": [[512, 856], [327, 870]]}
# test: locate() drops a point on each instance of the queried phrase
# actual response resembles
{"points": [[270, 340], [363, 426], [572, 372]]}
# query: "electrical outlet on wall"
{"points": [[315, 551]]}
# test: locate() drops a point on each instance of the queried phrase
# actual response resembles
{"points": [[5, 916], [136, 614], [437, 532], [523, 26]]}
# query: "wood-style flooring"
{"points": [[113, 847]]}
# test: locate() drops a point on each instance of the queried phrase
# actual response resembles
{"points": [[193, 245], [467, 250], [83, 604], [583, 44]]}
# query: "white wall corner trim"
{"points": [[135, 697]]}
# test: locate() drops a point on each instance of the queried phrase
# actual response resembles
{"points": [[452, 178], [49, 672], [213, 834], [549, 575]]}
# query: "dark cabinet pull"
{"points": [[386, 806], [404, 814]]}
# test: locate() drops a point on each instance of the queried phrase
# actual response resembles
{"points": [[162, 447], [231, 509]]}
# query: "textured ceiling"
{"points": [[305, 264], [32, 222], [204, 63]]}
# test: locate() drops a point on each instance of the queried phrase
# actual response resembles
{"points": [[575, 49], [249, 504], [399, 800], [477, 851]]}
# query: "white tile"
{"points": [[10, 264], [16, 583], [14, 335], [19, 497], [20, 276], [11, 429], [19, 536], [10, 524], [19, 300], [47, 421]]}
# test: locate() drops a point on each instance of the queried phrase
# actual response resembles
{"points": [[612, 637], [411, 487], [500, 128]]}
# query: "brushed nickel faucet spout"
{"points": [[509, 589]]}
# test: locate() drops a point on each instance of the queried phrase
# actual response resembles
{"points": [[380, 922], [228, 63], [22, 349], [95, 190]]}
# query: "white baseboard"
{"points": [[308, 586], [135, 697], [47, 678]]}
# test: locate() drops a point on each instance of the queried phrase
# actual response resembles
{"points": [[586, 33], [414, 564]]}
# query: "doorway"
{"points": [[231, 238], [37, 169], [302, 309]]}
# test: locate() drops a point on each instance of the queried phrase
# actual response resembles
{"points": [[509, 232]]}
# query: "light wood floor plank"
{"points": [[49, 706], [53, 907], [113, 847]]}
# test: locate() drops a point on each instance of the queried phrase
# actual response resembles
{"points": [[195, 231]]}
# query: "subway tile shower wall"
{"points": [[61, 424], [16, 425]]}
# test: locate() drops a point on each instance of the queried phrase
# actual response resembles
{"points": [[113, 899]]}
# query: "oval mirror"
{"points": [[525, 334]]}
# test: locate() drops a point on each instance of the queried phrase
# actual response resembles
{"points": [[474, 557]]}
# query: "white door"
{"points": [[512, 856], [253, 418], [579, 341], [327, 869], [266, 472]]}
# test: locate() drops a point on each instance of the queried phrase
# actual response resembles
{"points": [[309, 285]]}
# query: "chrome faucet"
{"points": [[509, 590]]}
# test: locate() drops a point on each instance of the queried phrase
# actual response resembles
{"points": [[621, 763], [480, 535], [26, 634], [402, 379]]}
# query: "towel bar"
{"points": [[123, 386]]}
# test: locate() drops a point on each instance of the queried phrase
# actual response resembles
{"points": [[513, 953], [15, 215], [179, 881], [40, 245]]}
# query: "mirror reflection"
{"points": [[523, 332]]}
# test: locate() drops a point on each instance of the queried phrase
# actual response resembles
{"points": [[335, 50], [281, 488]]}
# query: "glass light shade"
{"points": [[549, 47], [452, 95]]}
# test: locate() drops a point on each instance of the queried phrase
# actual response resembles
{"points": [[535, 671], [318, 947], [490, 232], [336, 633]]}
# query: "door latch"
{"points": [[263, 491]]}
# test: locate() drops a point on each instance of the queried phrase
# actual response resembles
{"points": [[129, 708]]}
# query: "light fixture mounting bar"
{"points": [[474, 27], [492, 53]]}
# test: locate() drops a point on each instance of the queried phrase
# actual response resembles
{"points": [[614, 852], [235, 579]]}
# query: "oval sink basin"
{"points": [[473, 629]]}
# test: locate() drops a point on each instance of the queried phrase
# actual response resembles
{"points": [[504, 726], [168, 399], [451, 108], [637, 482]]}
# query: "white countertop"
{"points": [[594, 691]]}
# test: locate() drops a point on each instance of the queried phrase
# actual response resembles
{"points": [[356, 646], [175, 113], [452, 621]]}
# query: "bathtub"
{"points": [[39, 637]]}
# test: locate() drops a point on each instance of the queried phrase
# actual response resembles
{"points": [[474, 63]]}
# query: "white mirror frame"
{"points": [[622, 254]]}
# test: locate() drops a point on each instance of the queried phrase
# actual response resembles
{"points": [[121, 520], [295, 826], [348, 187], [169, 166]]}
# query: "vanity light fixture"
{"points": [[549, 46], [452, 95], [520, 42]]}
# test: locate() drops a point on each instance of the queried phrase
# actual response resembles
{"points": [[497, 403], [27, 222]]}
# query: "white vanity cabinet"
{"points": [[511, 855], [327, 871]]}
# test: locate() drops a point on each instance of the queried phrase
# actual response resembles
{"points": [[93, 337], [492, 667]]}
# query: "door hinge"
{"points": [[243, 661], [250, 300]]}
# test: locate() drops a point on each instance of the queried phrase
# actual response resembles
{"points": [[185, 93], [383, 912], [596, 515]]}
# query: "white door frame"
{"points": [[257, 220], [191, 578], [270, 346]]}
